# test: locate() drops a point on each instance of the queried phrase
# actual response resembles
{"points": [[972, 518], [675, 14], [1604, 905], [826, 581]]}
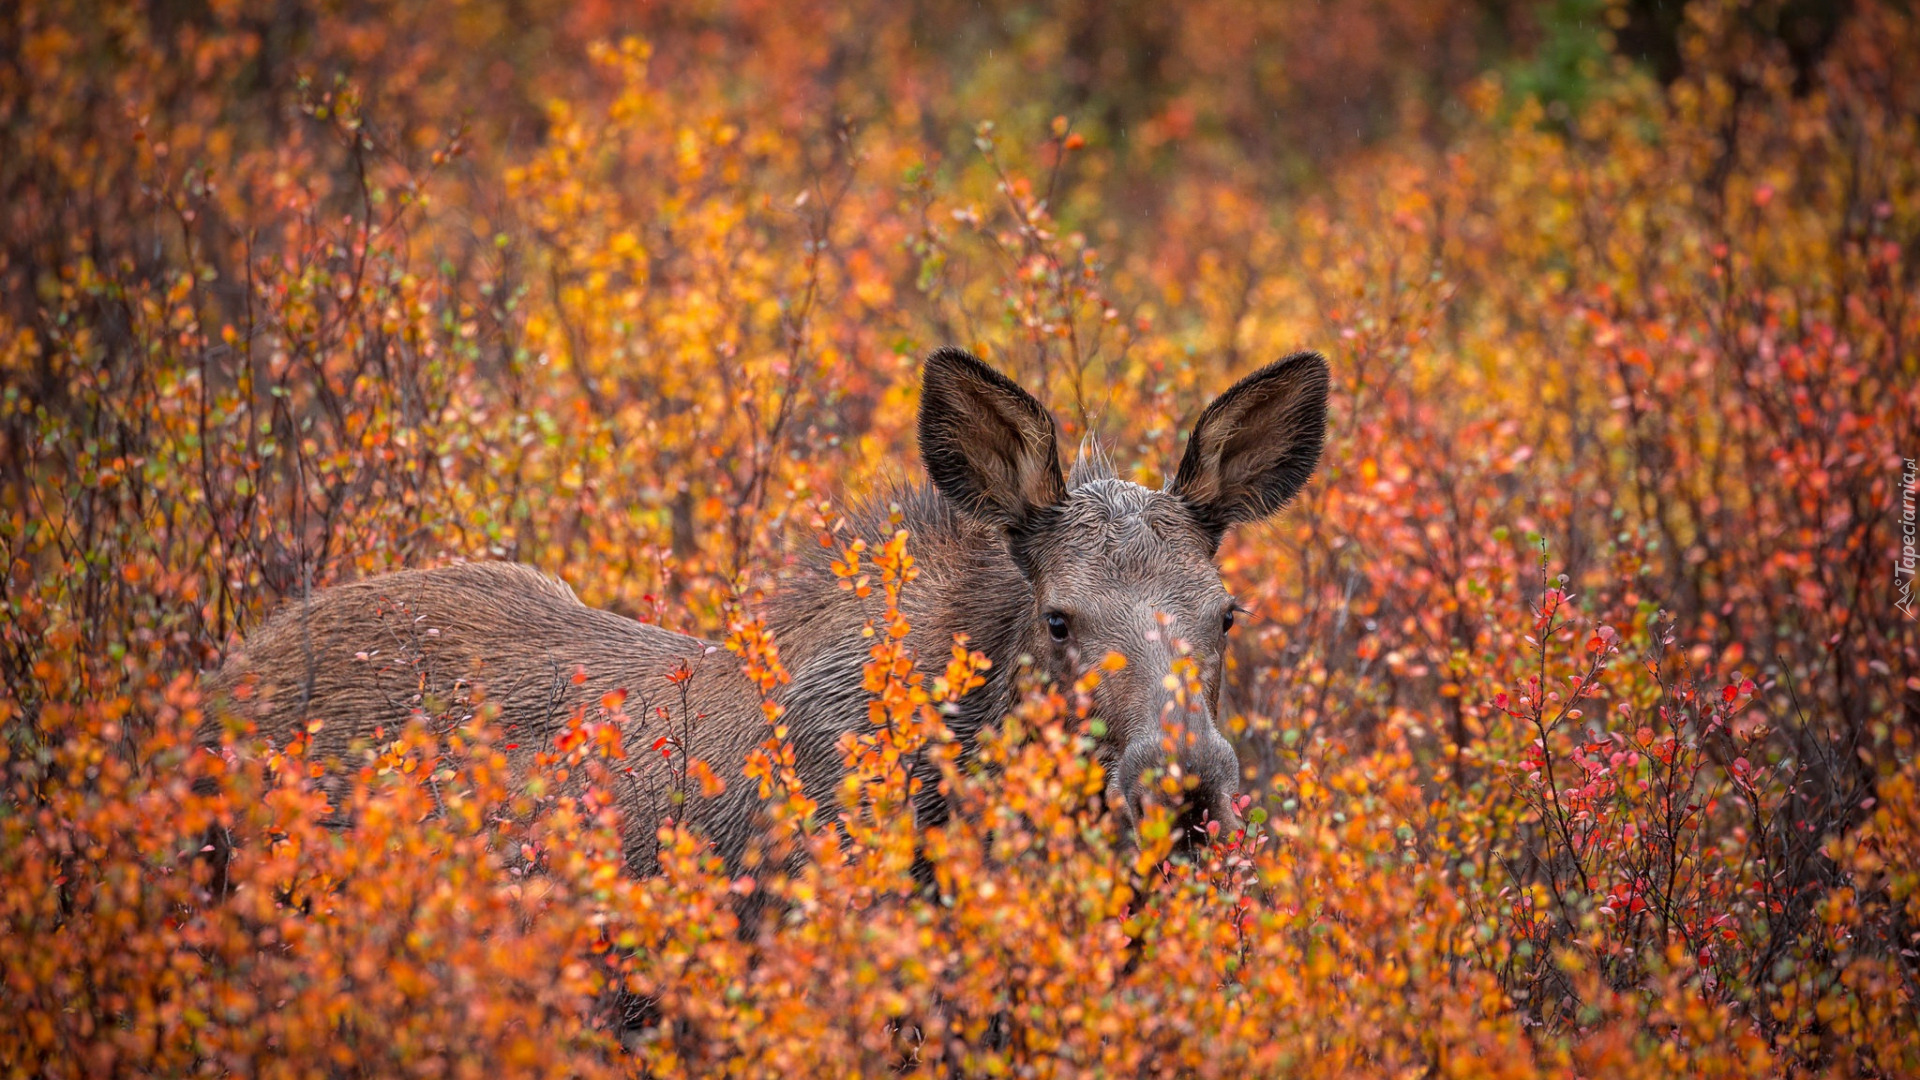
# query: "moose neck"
{"points": [[968, 585]]}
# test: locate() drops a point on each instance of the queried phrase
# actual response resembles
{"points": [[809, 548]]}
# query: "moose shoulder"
{"points": [[1020, 557]]}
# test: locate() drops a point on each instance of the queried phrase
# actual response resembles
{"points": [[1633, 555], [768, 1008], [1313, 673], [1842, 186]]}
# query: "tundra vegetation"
{"points": [[1574, 710]]}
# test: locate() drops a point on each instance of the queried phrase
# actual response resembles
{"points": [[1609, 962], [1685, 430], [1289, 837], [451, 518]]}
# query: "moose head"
{"points": [[1117, 568]]}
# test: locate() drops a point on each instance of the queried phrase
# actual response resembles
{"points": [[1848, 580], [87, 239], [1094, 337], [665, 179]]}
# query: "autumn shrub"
{"points": [[1577, 704]]}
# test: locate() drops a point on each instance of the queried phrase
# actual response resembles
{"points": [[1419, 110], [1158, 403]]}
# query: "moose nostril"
{"points": [[1190, 826]]}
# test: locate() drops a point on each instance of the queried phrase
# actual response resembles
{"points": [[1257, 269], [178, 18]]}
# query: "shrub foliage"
{"points": [[1579, 700]]}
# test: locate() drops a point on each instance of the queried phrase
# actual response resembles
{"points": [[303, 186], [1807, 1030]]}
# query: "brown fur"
{"points": [[1004, 544]]}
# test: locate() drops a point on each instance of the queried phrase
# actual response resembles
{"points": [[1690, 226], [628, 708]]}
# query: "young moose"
{"points": [[1024, 561]]}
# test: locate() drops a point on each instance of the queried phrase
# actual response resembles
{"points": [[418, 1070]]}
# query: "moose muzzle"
{"points": [[1178, 758]]}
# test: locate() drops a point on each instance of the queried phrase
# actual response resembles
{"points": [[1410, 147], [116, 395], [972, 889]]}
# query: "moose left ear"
{"points": [[1256, 445], [987, 444]]}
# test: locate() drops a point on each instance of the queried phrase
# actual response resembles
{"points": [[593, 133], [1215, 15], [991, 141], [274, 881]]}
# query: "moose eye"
{"points": [[1057, 625], [1226, 621]]}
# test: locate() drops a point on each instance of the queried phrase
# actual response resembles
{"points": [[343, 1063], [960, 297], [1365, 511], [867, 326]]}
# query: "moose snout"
{"points": [[1186, 743]]}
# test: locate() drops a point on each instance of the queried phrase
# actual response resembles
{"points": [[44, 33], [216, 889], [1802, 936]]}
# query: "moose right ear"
{"points": [[987, 444], [1256, 445]]}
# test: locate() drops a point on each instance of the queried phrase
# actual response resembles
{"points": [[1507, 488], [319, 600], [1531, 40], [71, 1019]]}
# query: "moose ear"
{"points": [[1256, 445], [987, 444]]}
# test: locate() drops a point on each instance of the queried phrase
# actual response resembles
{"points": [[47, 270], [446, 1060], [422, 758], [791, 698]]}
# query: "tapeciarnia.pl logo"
{"points": [[1903, 566]]}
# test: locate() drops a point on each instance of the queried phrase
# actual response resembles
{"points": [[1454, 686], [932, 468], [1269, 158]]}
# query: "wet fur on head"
{"points": [[1112, 567]]}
